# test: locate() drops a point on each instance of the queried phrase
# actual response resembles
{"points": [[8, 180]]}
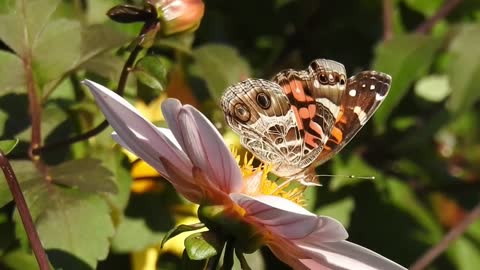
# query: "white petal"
{"points": [[347, 255], [327, 230], [279, 215], [170, 109], [135, 132], [169, 134], [206, 149]]}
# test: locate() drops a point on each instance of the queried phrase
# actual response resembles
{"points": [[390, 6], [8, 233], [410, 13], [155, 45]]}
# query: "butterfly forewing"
{"points": [[314, 95], [364, 93]]}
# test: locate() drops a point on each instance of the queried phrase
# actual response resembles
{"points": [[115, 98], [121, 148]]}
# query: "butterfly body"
{"points": [[300, 119]]}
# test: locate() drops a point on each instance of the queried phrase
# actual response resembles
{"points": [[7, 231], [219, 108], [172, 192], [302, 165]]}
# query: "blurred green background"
{"points": [[103, 210]]}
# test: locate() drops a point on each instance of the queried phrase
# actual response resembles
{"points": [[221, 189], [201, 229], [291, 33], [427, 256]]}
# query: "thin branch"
{"points": [[34, 106], [387, 20], [451, 236], [96, 130], [447, 8], [25, 216]]}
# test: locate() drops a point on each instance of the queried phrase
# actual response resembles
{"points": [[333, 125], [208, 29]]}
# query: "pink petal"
{"points": [[170, 109], [345, 255], [135, 132], [327, 230], [278, 215], [206, 149]]}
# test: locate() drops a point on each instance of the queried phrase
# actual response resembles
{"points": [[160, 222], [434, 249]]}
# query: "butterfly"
{"points": [[300, 119]]}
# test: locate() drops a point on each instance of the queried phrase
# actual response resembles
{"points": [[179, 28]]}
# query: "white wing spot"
{"points": [[364, 85], [316, 84], [297, 90], [372, 87], [362, 116], [352, 92], [379, 97]]}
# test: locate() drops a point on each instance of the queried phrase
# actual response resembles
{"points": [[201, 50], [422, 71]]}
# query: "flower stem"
{"points": [[35, 111], [243, 262], [228, 256], [25, 216]]}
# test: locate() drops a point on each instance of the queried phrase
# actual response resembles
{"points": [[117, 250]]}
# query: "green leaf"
{"points": [[464, 70], [8, 145], [220, 66], [52, 56], [181, 42], [433, 88], [203, 245], [133, 234], [426, 7], [24, 171], [19, 260], [117, 163], [340, 210], [70, 223], [53, 46], [21, 27], [402, 196], [464, 253], [406, 58], [85, 174], [11, 72], [140, 227], [181, 229], [151, 71]]}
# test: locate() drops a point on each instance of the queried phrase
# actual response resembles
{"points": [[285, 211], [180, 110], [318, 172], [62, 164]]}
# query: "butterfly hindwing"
{"points": [[363, 95], [314, 96]]}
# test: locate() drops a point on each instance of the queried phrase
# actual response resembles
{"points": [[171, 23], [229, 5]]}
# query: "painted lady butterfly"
{"points": [[300, 119]]}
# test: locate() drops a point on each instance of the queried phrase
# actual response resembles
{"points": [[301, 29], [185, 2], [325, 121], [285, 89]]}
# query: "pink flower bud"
{"points": [[179, 15]]}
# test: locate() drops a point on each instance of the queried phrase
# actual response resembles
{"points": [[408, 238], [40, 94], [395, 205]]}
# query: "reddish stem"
{"points": [[447, 8], [451, 236], [25, 216], [387, 20]]}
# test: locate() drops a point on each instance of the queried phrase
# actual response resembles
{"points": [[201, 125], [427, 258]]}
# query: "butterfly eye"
{"points": [[241, 112], [323, 78], [263, 101]]}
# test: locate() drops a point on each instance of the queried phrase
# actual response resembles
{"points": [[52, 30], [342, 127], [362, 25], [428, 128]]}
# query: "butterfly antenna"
{"points": [[347, 176]]}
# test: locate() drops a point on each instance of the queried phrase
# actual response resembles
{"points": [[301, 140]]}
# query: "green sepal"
{"points": [[203, 245], [247, 238], [181, 229]]}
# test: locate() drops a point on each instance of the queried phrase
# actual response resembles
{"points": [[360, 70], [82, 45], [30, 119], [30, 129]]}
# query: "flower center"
{"points": [[257, 180]]}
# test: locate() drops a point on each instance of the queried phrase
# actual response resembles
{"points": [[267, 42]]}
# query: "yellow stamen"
{"points": [[257, 181]]}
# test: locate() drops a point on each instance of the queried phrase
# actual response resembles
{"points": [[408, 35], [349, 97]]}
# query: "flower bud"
{"points": [[179, 15], [130, 14]]}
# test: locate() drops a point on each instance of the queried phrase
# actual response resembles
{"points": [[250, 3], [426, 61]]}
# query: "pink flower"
{"points": [[193, 157]]}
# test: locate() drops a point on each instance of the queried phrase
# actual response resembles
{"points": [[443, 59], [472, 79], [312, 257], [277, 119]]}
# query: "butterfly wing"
{"points": [[363, 95], [314, 95]]}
